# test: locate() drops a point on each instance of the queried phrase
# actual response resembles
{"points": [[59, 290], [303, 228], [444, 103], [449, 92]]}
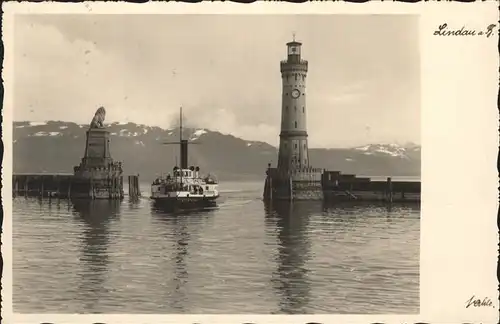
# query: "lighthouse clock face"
{"points": [[295, 93]]}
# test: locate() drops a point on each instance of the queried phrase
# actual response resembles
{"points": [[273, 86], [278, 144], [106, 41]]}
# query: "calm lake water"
{"points": [[241, 257]]}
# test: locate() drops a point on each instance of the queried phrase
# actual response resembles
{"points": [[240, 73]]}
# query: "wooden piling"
{"points": [[389, 189], [270, 188], [58, 187], [133, 186]]}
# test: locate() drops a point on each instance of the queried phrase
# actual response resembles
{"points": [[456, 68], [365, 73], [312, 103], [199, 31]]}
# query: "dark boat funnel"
{"points": [[184, 154]]}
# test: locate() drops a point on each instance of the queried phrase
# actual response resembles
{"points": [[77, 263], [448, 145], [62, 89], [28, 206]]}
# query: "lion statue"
{"points": [[98, 120]]}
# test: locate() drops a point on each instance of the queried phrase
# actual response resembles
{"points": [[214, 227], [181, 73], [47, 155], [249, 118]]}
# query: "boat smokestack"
{"points": [[184, 154]]}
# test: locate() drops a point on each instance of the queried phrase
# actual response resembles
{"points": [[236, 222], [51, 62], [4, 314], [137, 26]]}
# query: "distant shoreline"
{"points": [[145, 182]]}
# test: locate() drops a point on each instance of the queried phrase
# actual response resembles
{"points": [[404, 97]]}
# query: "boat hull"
{"points": [[184, 202]]}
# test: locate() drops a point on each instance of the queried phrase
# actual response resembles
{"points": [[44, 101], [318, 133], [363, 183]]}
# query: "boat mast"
{"points": [[181, 125], [180, 141]]}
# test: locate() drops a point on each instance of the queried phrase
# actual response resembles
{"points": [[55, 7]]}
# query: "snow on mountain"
{"points": [[197, 134], [394, 150], [46, 134], [37, 123]]}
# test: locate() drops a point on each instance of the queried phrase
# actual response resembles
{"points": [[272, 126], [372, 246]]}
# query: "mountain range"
{"points": [[57, 146]]}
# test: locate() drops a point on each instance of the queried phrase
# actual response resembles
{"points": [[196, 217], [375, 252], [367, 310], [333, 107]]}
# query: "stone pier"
{"points": [[297, 184]]}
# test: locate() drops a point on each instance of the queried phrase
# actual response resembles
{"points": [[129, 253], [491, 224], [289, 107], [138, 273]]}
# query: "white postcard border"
{"points": [[459, 234]]}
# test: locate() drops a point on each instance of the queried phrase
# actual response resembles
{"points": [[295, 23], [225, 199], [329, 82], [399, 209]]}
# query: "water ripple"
{"points": [[242, 257]]}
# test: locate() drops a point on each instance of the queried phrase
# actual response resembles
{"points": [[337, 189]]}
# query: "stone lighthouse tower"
{"points": [[293, 178], [293, 149]]}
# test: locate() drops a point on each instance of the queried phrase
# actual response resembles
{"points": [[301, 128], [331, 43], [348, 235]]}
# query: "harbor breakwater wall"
{"points": [[319, 184]]}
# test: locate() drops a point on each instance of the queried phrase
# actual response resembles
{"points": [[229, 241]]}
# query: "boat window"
{"points": [[206, 188]]}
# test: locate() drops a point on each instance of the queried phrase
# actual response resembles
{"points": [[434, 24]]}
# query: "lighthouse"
{"points": [[293, 178], [293, 148]]}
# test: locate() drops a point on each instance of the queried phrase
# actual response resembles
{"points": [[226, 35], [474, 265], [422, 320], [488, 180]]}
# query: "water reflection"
{"points": [[181, 226], [290, 278], [96, 217], [364, 205], [352, 214], [300, 258]]}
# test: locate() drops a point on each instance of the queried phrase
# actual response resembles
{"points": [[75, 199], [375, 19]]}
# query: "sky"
{"points": [[363, 84]]}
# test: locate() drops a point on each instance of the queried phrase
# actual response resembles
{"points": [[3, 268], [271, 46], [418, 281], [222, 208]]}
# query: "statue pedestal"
{"points": [[98, 176], [97, 148]]}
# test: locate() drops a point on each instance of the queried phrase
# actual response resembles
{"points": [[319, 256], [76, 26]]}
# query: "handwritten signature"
{"points": [[445, 30], [478, 302]]}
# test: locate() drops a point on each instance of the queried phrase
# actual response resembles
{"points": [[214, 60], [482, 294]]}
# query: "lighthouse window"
{"points": [[304, 146], [303, 110], [295, 76], [286, 108], [295, 145], [295, 108], [295, 124]]}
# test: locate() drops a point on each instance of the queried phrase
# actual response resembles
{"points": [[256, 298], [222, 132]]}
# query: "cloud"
{"points": [[348, 94], [69, 80], [143, 68]]}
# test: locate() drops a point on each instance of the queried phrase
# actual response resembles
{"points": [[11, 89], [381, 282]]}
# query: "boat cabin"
{"points": [[186, 173]]}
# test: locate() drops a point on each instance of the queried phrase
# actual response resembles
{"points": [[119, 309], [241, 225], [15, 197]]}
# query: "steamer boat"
{"points": [[185, 187]]}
